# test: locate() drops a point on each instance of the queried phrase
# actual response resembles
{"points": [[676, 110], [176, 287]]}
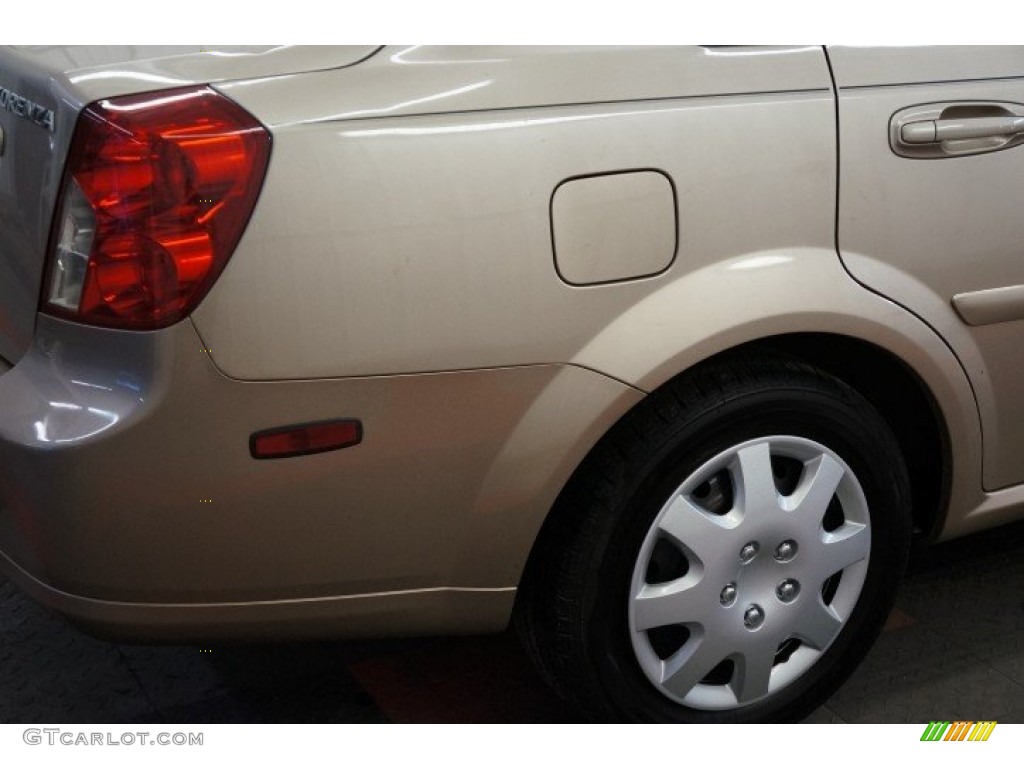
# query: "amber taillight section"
{"points": [[157, 190]]}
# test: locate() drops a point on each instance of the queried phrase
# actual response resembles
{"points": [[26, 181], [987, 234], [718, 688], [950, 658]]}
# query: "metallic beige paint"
{"points": [[614, 227], [466, 461], [922, 231], [401, 81], [889, 65], [85, 73], [399, 268], [443, 260], [996, 305]]}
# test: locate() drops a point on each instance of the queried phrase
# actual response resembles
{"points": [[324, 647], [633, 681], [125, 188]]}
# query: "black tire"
{"points": [[573, 607]]}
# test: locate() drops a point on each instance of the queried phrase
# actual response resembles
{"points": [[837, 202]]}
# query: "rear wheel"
{"points": [[728, 552]]}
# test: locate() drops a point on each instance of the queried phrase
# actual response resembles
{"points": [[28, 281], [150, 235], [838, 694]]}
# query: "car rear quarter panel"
{"points": [[405, 225], [422, 242]]}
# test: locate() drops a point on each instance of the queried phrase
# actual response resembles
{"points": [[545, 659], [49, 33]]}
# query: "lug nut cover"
{"points": [[753, 617], [788, 590], [749, 552], [728, 596], [786, 551]]}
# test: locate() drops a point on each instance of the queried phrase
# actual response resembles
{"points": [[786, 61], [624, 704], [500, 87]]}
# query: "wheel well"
{"points": [[899, 395], [589, 543], [890, 385]]}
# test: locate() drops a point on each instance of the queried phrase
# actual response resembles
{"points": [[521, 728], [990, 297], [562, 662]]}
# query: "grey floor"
{"points": [[953, 650]]}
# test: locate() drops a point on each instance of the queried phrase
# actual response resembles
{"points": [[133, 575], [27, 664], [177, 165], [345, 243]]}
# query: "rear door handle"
{"points": [[953, 129], [932, 131]]}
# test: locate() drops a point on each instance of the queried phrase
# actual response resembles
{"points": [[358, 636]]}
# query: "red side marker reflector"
{"points": [[302, 439]]}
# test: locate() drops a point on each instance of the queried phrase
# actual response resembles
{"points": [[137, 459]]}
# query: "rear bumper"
{"points": [[130, 503], [411, 613]]}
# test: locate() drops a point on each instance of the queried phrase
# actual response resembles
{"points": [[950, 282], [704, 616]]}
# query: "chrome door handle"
{"points": [[932, 131]]}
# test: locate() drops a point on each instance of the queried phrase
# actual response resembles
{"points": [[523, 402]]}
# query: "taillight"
{"points": [[157, 190]]}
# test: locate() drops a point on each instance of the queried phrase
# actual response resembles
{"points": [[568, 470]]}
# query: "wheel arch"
{"points": [[799, 303], [802, 303], [924, 397]]}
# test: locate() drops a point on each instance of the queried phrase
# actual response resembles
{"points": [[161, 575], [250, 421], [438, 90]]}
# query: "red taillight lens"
{"points": [[157, 190]]}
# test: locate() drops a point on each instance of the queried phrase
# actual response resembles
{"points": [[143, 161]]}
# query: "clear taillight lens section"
{"points": [[157, 191], [74, 244]]}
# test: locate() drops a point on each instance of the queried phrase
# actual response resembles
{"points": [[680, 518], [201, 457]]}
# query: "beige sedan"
{"points": [[663, 354]]}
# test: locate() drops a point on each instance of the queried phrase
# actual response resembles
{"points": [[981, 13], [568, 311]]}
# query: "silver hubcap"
{"points": [[713, 624]]}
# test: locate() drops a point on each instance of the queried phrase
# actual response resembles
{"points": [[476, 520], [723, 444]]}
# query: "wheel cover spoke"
{"points": [[755, 481], [707, 536], [690, 664], [821, 479], [753, 675], [845, 546], [681, 601], [818, 624]]}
